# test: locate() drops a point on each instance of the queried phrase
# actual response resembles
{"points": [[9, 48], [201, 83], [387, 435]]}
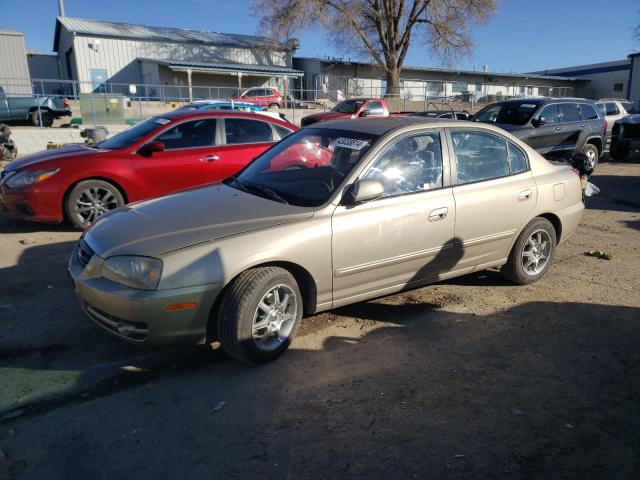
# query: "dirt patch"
{"points": [[472, 378]]}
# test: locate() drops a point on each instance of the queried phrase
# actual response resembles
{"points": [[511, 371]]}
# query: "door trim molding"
{"points": [[430, 252]]}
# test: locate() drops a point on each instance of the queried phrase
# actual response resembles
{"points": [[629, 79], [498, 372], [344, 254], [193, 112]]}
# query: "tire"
{"points": [[240, 308], [514, 270], [107, 197], [274, 107], [592, 154], [619, 151], [47, 118]]}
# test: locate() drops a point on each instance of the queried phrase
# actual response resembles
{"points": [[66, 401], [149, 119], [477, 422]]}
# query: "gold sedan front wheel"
{"points": [[260, 314]]}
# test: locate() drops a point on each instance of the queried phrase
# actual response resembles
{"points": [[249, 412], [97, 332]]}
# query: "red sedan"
{"points": [[264, 97], [163, 154]]}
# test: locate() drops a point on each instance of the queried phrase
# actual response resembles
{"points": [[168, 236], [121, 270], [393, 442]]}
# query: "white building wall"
{"points": [[14, 70], [336, 79], [602, 78], [119, 56]]}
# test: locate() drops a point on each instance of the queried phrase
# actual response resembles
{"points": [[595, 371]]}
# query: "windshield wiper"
{"points": [[262, 189]]}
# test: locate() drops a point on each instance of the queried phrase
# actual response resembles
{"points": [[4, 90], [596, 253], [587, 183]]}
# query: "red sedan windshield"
{"points": [[129, 137]]}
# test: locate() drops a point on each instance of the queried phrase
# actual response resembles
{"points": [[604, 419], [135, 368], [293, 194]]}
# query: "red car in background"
{"points": [[262, 96], [352, 108], [160, 155]]}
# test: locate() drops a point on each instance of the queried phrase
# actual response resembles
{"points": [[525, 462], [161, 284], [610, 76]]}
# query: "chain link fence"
{"points": [[118, 103]]}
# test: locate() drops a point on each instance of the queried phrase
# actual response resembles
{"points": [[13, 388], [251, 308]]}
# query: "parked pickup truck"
{"points": [[354, 108], [26, 108]]}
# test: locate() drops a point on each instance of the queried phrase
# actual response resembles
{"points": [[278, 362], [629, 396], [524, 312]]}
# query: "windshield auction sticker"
{"points": [[351, 143]]}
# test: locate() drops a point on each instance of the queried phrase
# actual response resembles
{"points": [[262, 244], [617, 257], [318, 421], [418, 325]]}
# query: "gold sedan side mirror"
{"points": [[364, 191]]}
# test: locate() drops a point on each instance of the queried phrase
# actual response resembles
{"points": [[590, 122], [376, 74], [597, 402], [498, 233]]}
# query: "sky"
{"points": [[523, 36]]}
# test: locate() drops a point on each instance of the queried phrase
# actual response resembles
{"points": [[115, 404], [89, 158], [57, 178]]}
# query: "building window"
{"points": [[459, 87], [544, 91], [618, 87], [435, 87]]}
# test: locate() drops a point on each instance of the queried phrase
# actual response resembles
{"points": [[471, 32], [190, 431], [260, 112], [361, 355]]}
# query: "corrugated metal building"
{"points": [[14, 71], [345, 78], [95, 52], [606, 79]]}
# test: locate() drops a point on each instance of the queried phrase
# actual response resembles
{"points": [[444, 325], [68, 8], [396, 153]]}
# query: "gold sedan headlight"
{"points": [[142, 273]]}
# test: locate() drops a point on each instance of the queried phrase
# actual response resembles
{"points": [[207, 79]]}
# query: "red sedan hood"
{"points": [[67, 151], [326, 116]]}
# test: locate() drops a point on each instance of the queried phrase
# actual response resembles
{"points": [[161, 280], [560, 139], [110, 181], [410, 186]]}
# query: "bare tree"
{"points": [[382, 28]]}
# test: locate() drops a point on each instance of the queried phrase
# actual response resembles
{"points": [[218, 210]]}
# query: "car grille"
{"points": [[84, 252]]}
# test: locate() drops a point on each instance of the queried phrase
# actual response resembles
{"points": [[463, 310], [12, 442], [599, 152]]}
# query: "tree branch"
{"points": [[361, 33]]}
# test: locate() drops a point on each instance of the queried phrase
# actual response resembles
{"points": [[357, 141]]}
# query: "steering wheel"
{"points": [[335, 179]]}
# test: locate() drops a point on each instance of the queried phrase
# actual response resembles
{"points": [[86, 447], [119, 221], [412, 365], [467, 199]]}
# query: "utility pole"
{"points": [[61, 7]]}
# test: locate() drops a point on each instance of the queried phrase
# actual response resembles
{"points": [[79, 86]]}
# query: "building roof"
{"points": [[101, 28], [214, 67], [6, 31], [589, 69], [446, 70]]}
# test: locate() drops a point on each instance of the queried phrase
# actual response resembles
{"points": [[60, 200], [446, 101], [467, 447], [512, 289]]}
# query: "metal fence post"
{"points": [[140, 104], [424, 97], [293, 107], [39, 111], [93, 110]]}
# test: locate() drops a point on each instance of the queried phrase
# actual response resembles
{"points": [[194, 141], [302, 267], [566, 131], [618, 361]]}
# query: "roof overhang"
{"points": [[229, 68]]}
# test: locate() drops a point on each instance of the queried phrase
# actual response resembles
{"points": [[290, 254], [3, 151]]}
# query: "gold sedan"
{"points": [[334, 214]]}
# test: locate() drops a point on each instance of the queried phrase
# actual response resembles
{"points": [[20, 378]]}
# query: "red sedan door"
{"points": [[243, 139], [191, 158]]}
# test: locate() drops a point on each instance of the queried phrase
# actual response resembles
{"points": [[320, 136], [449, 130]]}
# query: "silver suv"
{"points": [[612, 109]]}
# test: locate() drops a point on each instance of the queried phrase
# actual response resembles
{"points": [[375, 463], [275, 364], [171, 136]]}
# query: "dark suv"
{"points": [[555, 127], [625, 137]]}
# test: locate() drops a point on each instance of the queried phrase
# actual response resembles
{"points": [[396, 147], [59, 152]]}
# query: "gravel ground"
{"points": [[470, 378]]}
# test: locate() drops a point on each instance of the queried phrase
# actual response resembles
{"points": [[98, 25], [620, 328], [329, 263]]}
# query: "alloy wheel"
{"points": [[591, 159], [536, 252], [274, 318], [94, 202]]}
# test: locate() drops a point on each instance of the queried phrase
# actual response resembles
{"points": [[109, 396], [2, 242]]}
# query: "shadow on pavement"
{"points": [[542, 390], [18, 226], [47, 344], [617, 192]]}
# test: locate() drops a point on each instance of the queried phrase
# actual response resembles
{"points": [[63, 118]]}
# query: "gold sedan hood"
{"points": [[186, 218]]}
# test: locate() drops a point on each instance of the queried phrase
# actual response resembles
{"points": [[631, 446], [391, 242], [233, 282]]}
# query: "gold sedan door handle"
{"points": [[524, 195], [438, 214]]}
